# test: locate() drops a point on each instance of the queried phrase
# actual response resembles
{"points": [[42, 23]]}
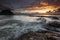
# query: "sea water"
{"points": [[16, 25]]}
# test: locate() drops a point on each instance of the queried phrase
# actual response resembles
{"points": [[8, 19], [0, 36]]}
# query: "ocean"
{"points": [[16, 25]]}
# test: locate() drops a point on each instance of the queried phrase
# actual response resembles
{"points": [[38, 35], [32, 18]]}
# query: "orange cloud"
{"points": [[44, 3], [44, 6]]}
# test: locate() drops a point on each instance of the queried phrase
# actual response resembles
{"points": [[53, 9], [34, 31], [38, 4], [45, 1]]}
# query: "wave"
{"points": [[15, 26]]}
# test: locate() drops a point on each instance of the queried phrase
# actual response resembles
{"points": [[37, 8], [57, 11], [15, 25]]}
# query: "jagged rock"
{"points": [[39, 36], [54, 18], [6, 12], [54, 24]]}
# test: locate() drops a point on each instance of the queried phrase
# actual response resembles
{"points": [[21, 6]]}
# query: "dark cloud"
{"points": [[24, 3], [15, 3]]}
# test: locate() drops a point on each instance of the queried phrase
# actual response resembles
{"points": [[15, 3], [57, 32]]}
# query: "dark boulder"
{"points": [[55, 18], [6, 12], [54, 24]]}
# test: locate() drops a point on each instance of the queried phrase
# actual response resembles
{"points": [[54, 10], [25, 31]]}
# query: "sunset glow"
{"points": [[44, 8], [40, 9]]}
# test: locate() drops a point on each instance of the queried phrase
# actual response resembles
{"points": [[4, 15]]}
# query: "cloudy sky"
{"points": [[24, 3], [15, 3]]}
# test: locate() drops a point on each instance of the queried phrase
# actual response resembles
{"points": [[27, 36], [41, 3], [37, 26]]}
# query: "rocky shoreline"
{"points": [[44, 35]]}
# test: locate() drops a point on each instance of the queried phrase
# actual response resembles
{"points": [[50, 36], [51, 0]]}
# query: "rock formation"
{"points": [[6, 12]]}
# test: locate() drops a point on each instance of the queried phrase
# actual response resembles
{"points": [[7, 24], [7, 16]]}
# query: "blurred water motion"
{"points": [[17, 25]]}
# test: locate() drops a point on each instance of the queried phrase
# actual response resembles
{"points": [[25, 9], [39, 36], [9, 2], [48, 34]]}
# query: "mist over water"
{"points": [[16, 25]]}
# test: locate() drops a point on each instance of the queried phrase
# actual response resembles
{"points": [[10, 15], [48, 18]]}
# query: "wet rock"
{"points": [[54, 24], [39, 36], [56, 18], [51, 38]]}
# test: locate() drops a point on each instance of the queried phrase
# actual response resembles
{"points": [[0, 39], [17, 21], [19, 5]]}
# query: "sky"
{"points": [[15, 3], [25, 3], [30, 4]]}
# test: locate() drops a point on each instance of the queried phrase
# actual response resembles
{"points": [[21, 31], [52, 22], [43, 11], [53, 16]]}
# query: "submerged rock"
{"points": [[6, 12]]}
